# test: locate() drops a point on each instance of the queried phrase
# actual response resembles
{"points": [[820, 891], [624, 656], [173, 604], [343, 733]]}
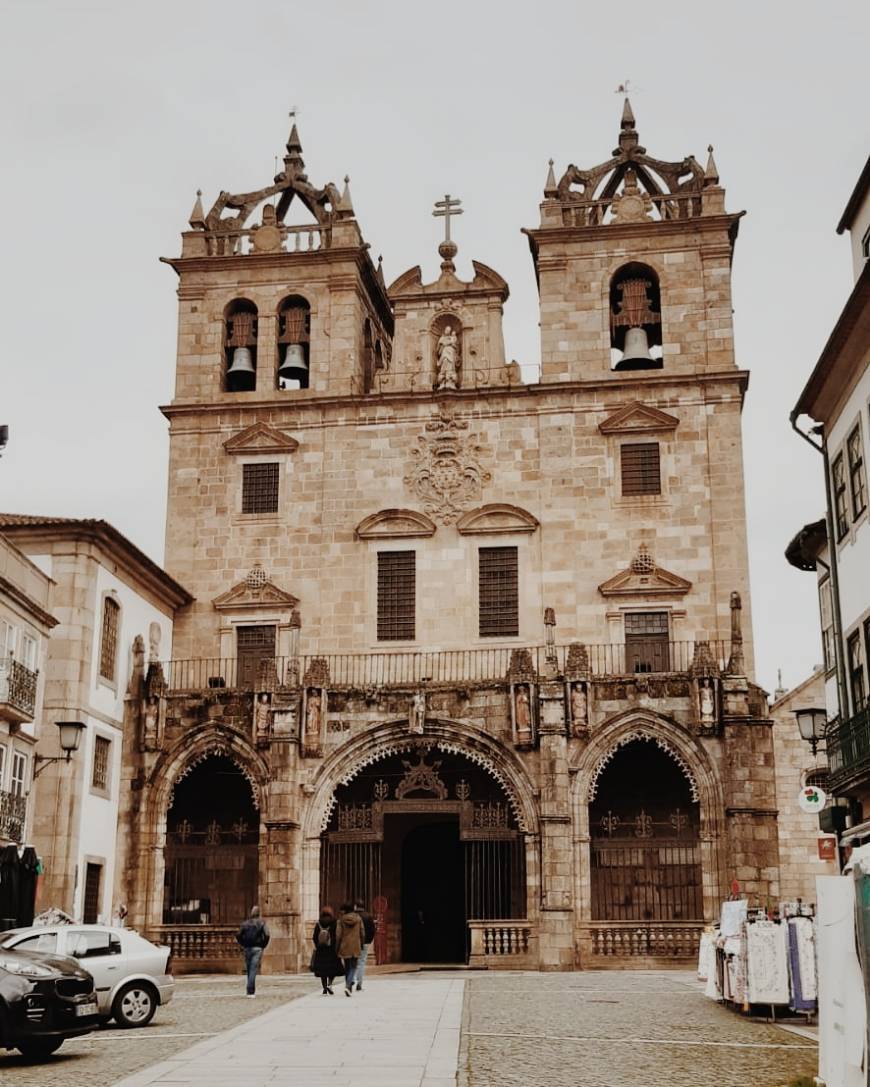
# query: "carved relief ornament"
{"points": [[446, 471]]}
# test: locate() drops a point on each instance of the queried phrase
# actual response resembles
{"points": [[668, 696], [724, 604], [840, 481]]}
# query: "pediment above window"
{"points": [[395, 525], [638, 418], [495, 519], [256, 591], [261, 438], [644, 578]]}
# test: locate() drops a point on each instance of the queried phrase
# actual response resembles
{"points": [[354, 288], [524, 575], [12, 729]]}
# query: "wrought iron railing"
{"points": [[362, 671], [17, 689], [13, 812], [848, 747]]}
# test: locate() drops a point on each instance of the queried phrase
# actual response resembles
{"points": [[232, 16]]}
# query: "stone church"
{"points": [[474, 650]]}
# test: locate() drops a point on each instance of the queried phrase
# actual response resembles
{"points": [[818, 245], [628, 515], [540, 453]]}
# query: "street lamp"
{"points": [[70, 738], [811, 725]]}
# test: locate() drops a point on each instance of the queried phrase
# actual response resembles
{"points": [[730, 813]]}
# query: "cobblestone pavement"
{"points": [[201, 1008], [618, 1029]]}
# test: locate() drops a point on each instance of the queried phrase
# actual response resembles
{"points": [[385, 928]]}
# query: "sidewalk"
{"points": [[398, 1032]]}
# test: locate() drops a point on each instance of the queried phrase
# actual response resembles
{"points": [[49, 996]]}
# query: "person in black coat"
{"points": [[325, 964]]}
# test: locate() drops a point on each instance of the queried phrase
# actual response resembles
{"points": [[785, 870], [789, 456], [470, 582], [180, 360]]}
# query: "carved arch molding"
{"points": [[659, 741]]}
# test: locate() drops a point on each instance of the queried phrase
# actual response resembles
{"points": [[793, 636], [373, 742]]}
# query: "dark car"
{"points": [[44, 999]]}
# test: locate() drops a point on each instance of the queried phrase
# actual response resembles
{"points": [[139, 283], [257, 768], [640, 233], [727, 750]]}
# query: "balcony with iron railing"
{"points": [[13, 812], [17, 691], [848, 747], [363, 671]]}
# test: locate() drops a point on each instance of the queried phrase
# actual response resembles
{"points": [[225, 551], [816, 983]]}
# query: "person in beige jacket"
{"points": [[348, 943]]}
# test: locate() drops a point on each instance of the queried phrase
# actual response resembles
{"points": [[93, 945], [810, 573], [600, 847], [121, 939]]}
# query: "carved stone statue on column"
{"points": [[707, 703], [579, 708], [151, 723], [262, 716], [154, 641], [448, 360], [417, 717], [313, 707], [523, 715]]}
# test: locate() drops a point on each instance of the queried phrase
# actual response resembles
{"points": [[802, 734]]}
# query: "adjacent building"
{"points": [[833, 413], [474, 650], [110, 606]]}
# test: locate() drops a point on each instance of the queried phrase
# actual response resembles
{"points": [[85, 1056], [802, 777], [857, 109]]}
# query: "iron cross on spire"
{"points": [[444, 209]]}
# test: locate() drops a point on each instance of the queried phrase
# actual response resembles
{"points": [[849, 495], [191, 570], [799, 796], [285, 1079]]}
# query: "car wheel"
{"points": [[39, 1048], [135, 1005]]}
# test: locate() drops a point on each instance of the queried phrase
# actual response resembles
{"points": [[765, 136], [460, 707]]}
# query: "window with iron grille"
{"points": [[841, 517], [826, 612], [397, 582], [820, 778], [641, 468], [857, 480], [647, 648], [91, 903], [100, 775], [499, 592], [259, 488], [855, 654], [109, 638]]}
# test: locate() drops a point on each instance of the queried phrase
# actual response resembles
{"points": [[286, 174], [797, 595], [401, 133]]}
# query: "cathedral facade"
{"points": [[474, 650]]}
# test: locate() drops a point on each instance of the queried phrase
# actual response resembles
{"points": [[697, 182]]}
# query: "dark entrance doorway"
{"points": [[433, 894]]}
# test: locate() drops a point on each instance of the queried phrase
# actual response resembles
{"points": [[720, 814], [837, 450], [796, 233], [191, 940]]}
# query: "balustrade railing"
{"points": [[294, 239], [17, 690], [645, 939], [501, 939], [191, 943], [665, 206], [13, 812], [362, 671]]}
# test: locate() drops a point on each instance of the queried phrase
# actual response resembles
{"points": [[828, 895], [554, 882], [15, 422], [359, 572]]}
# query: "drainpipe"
{"points": [[822, 447]]}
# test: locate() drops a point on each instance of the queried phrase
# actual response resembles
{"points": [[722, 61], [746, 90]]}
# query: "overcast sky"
{"points": [[113, 114]]}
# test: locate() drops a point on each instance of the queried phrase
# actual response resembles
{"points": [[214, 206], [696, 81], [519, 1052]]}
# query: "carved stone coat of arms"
{"points": [[446, 471]]}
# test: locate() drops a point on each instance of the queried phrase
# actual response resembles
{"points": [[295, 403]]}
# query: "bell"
{"points": [[635, 354], [241, 376], [293, 371]]}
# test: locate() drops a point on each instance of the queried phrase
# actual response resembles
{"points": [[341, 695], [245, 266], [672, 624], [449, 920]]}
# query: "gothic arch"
{"points": [[343, 765]]}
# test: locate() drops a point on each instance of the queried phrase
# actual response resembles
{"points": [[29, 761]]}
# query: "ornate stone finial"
{"points": [[293, 143], [197, 216], [736, 662], [380, 271], [256, 577], [627, 115], [711, 174], [448, 248], [643, 562], [627, 132], [551, 189], [345, 205]]}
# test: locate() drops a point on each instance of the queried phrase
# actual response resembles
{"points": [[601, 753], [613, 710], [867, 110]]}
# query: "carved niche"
{"points": [[446, 472]]}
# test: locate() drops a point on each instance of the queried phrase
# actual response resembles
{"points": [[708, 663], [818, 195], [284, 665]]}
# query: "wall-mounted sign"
{"points": [[827, 848], [812, 799]]}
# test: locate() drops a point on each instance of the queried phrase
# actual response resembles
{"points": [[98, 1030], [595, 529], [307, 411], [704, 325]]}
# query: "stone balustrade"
{"points": [[503, 944], [642, 940], [199, 947]]}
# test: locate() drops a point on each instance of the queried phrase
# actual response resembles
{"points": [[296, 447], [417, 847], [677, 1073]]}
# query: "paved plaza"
{"points": [[436, 1029]]}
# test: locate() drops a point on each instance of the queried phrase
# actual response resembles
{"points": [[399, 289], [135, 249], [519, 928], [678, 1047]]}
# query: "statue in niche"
{"points": [[417, 720], [312, 718], [707, 702], [579, 705], [448, 360], [523, 714], [262, 715], [151, 717]]}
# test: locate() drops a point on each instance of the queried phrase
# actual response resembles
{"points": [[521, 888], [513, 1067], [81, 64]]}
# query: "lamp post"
{"points": [[70, 738], [811, 725]]}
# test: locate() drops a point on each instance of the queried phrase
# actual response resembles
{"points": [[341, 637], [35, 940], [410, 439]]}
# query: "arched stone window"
{"points": [[109, 638], [240, 346], [635, 318], [294, 343]]}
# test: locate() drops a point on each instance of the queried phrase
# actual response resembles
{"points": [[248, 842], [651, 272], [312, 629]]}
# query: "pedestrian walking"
{"points": [[325, 963], [368, 936], [253, 937], [348, 943]]}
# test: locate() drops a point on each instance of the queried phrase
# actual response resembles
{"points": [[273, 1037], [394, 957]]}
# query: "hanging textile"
{"points": [[27, 869], [802, 964], [9, 886], [732, 917], [767, 963], [707, 938]]}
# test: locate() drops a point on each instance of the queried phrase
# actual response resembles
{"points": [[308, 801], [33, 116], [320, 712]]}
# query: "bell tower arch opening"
{"points": [[240, 346], [635, 318]]}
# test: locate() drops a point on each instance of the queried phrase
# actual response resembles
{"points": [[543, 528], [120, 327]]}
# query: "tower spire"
{"points": [[711, 174], [293, 162], [197, 216], [550, 188], [627, 114], [628, 140]]}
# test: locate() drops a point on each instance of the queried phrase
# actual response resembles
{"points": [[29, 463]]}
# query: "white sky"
{"points": [[113, 114]]}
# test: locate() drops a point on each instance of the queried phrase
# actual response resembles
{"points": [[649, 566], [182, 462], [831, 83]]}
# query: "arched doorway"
{"points": [[429, 841], [645, 839], [211, 854]]}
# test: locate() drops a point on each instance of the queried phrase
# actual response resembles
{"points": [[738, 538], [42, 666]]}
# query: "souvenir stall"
{"points": [[761, 964]]}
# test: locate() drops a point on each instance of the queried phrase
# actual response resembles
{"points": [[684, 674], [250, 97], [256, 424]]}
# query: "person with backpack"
{"points": [[348, 943], [253, 938], [368, 923], [325, 964]]}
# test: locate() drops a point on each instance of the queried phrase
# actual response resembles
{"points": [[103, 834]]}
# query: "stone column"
{"points": [[557, 915]]}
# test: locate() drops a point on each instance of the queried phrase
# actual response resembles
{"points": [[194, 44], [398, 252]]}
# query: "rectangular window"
{"points": [[857, 479], [91, 907], [259, 488], [109, 638], [499, 592], [397, 591], [253, 646], [19, 774], [646, 642], [855, 654], [641, 468], [838, 481], [100, 776], [28, 652], [2, 767], [7, 639], [826, 613]]}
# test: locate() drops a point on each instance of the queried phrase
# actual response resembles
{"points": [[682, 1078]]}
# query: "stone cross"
{"points": [[448, 206]]}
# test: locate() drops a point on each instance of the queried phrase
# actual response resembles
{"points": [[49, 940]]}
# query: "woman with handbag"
{"points": [[325, 963]]}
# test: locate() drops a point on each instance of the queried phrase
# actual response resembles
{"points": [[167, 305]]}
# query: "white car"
{"points": [[131, 976]]}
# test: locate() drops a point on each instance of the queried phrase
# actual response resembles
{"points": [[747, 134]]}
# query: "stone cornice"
{"points": [[8, 588]]}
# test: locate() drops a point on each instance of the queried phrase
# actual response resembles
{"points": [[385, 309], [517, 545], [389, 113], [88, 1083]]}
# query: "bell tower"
{"points": [[633, 261]]}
